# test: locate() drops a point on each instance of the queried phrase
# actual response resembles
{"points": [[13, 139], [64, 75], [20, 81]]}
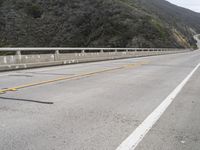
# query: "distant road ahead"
{"points": [[96, 106], [196, 37]]}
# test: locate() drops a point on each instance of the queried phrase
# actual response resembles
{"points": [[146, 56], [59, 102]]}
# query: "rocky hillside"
{"points": [[96, 23]]}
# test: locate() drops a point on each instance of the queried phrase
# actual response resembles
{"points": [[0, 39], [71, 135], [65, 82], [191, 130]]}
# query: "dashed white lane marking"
{"points": [[136, 137]]}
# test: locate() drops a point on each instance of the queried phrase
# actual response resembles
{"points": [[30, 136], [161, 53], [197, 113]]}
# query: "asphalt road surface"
{"points": [[96, 106]]}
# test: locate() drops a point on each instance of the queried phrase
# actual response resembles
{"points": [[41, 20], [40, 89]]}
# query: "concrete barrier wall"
{"points": [[20, 61]]}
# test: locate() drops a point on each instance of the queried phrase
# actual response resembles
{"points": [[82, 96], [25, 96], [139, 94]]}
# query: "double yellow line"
{"points": [[79, 76]]}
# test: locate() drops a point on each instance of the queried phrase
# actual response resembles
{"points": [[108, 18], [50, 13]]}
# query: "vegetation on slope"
{"points": [[96, 23]]}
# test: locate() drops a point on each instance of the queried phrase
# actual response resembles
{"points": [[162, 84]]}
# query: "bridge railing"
{"points": [[19, 51], [21, 58]]}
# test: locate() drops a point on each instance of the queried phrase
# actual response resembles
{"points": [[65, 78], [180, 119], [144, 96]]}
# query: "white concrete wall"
{"points": [[41, 60]]}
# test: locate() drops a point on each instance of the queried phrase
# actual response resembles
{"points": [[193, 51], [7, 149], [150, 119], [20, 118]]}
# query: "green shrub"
{"points": [[34, 10], [1, 2]]}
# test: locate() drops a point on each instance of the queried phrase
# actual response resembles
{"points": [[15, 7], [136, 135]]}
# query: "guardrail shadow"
{"points": [[26, 100]]}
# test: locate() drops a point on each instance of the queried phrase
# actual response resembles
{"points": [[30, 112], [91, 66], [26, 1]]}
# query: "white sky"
{"points": [[191, 4]]}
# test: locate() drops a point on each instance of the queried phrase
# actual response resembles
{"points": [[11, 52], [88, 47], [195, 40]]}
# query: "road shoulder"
{"points": [[179, 127]]}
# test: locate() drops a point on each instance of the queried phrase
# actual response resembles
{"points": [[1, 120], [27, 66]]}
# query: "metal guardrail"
{"points": [[57, 50]]}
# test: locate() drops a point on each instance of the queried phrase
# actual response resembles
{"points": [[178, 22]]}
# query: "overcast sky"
{"points": [[191, 4]]}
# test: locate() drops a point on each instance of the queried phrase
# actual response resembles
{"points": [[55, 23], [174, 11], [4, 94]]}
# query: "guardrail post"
{"points": [[56, 55], [18, 57], [18, 53], [57, 52], [83, 51]]}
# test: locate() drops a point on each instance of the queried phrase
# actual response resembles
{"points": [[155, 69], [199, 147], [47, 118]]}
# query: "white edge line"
{"points": [[139, 133]]}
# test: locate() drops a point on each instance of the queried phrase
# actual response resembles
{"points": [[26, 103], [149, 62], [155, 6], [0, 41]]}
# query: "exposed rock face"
{"points": [[96, 23]]}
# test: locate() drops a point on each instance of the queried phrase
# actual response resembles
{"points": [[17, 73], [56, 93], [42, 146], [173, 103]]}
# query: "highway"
{"points": [[196, 37], [96, 106]]}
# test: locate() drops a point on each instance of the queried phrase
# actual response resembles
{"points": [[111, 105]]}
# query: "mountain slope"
{"points": [[98, 23], [184, 21]]}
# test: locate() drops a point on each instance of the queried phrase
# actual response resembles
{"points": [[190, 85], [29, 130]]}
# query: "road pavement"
{"points": [[96, 106]]}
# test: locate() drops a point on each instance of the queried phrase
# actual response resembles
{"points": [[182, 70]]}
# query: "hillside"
{"points": [[96, 23]]}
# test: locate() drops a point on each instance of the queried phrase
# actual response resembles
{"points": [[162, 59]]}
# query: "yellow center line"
{"points": [[79, 76]]}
